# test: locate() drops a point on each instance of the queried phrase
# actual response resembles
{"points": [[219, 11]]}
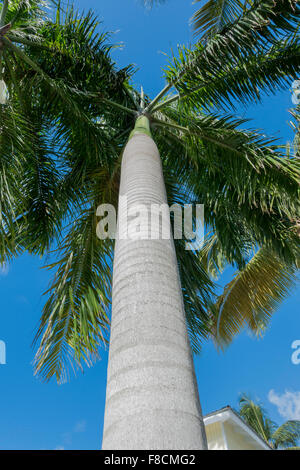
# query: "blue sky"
{"points": [[35, 415]]}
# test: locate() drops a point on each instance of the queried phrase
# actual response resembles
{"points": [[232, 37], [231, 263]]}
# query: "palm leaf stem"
{"points": [[3, 12], [158, 97]]}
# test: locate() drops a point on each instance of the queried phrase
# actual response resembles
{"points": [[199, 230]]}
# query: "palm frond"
{"points": [[261, 31], [197, 288], [76, 55], [257, 418], [211, 17], [43, 206], [287, 435], [15, 144], [75, 317], [198, 294], [240, 207], [264, 72], [212, 256], [249, 188], [252, 296]]}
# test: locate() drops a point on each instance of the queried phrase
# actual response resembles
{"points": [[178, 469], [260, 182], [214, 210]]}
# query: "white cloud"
{"points": [[4, 268], [67, 438], [80, 426], [59, 448], [288, 404]]}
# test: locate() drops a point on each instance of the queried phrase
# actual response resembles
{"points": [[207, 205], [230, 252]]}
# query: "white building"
{"points": [[226, 430]]}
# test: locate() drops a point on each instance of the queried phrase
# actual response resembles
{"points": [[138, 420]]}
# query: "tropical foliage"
{"points": [[285, 436], [75, 111], [214, 15]]}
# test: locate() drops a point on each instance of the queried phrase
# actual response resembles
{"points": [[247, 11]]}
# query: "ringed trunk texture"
{"points": [[152, 397]]}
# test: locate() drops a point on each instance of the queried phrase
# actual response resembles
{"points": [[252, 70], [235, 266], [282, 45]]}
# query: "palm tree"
{"points": [[97, 137], [285, 436]]}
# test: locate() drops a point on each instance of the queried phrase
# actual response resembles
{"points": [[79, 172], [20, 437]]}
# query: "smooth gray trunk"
{"points": [[152, 397]]}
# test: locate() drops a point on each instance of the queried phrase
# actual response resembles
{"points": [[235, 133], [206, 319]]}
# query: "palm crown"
{"points": [[74, 111], [285, 436]]}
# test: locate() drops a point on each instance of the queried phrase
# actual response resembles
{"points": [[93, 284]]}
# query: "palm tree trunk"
{"points": [[152, 397]]}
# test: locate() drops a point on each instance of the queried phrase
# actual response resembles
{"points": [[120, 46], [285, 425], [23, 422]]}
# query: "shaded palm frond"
{"points": [[65, 123], [211, 17], [228, 52], [212, 256], [245, 81], [75, 317], [15, 145], [197, 288], [249, 188], [198, 294], [42, 201]]}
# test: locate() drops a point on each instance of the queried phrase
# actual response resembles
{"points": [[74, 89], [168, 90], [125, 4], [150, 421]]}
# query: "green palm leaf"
{"points": [[75, 318], [206, 86], [15, 143], [214, 15], [287, 435], [223, 59], [256, 417], [252, 296]]}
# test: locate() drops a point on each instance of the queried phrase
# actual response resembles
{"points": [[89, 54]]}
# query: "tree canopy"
{"points": [[285, 436], [68, 116]]}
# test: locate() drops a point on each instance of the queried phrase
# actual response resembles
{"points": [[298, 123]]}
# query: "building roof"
{"points": [[230, 415]]}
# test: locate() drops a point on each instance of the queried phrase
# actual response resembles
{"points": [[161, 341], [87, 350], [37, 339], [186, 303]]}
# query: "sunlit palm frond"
{"points": [[241, 206], [253, 295], [256, 417], [287, 435]]}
